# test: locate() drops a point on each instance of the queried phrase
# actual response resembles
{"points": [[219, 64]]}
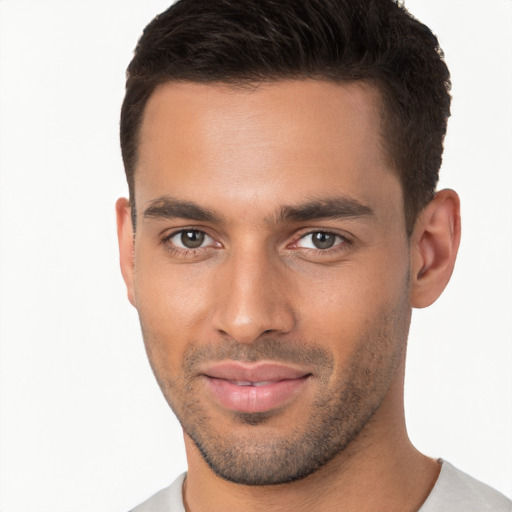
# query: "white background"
{"points": [[82, 424]]}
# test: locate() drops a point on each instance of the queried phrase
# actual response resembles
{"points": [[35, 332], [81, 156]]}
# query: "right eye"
{"points": [[190, 239]]}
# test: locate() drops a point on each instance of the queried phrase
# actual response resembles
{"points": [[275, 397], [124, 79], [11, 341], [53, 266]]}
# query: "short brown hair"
{"points": [[246, 41]]}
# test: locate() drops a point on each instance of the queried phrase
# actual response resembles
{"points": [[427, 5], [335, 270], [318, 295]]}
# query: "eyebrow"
{"points": [[325, 208], [167, 207]]}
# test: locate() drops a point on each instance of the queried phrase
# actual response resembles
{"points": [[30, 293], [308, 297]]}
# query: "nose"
{"points": [[253, 298]]}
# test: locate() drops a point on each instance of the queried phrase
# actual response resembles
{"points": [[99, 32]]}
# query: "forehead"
{"points": [[285, 140]]}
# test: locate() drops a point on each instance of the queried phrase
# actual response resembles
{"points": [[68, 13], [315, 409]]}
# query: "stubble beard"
{"points": [[250, 453]]}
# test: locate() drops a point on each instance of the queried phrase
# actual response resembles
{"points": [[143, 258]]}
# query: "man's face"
{"points": [[271, 270]]}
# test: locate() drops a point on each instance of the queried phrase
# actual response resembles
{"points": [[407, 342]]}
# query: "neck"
{"points": [[379, 470]]}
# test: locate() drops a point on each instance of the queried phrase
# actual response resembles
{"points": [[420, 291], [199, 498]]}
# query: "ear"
{"points": [[126, 241], [434, 244]]}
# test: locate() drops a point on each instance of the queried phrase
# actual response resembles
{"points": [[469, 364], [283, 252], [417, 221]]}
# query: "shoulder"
{"points": [[167, 500], [455, 491]]}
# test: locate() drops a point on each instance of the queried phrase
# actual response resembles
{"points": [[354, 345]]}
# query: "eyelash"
{"points": [[343, 244], [340, 242]]}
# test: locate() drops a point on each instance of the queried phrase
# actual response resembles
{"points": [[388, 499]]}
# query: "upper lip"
{"points": [[252, 372]]}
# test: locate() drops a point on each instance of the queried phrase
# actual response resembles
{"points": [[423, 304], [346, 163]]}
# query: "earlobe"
{"points": [[126, 244], [434, 245]]}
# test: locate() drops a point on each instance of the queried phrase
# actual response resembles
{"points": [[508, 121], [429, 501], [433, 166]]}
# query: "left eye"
{"points": [[190, 239], [320, 240]]}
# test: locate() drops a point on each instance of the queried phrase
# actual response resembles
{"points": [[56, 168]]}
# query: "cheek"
{"points": [[343, 303], [169, 296], [172, 308]]}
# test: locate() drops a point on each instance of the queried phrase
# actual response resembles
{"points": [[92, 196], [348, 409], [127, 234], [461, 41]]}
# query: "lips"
{"points": [[254, 387]]}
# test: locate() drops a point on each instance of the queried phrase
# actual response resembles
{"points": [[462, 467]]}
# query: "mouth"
{"points": [[254, 387]]}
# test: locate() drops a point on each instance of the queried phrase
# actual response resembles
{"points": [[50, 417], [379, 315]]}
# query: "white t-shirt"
{"points": [[454, 491]]}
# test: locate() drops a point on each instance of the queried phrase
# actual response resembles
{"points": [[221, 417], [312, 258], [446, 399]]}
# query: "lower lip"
{"points": [[255, 398]]}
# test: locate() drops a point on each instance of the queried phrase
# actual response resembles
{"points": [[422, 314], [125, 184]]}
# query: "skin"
{"points": [[257, 288]]}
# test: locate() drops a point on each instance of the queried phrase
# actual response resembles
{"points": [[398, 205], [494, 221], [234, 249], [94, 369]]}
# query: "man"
{"points": [[282, 159]]}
